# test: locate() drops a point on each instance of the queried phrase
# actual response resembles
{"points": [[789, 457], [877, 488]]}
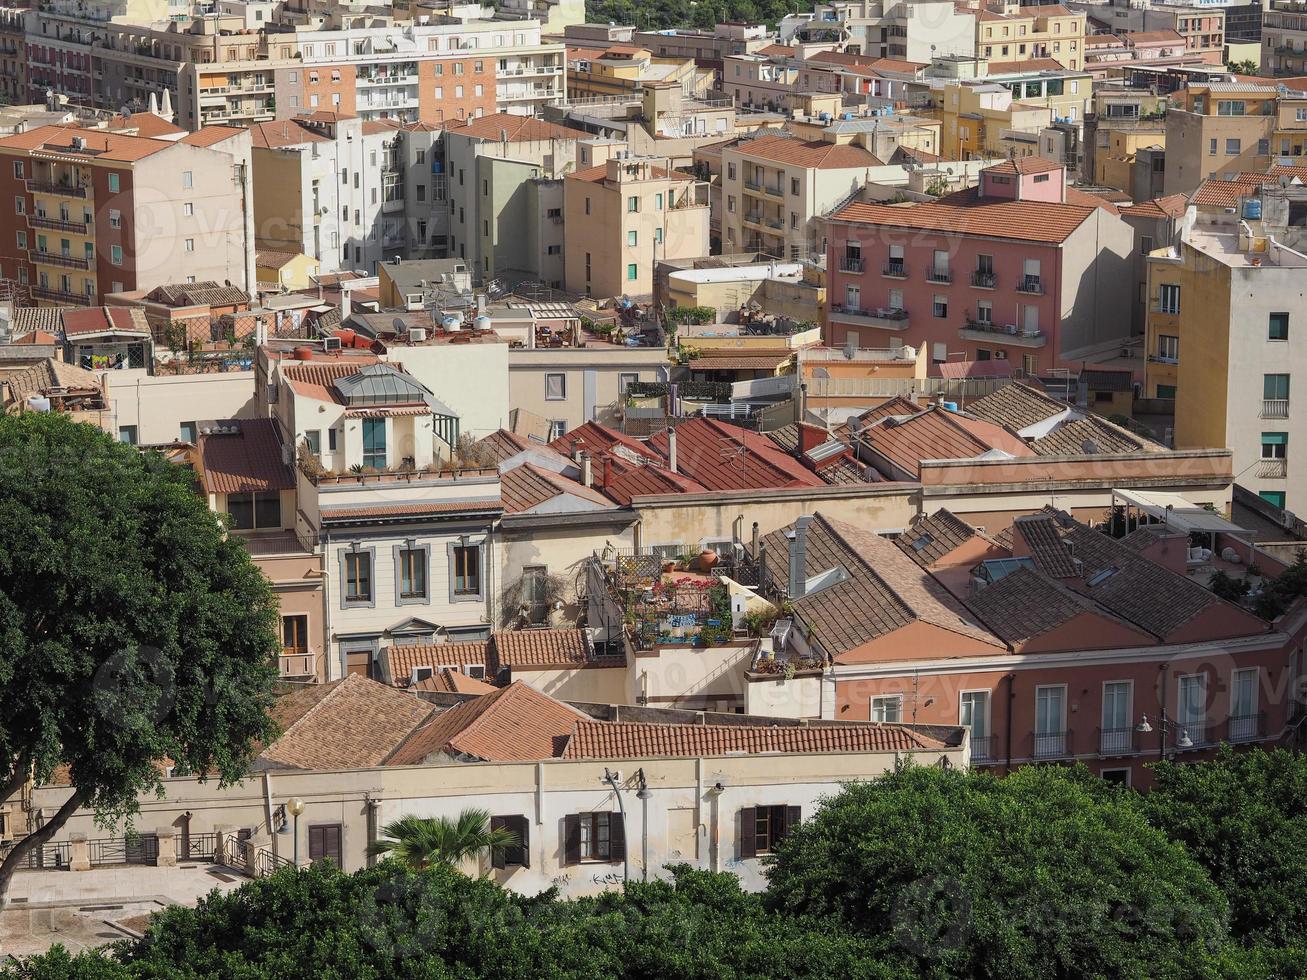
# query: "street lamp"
{"points": [[1167, 726], [296, 806]]}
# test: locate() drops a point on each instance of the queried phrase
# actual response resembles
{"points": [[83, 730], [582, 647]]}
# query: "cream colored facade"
{"points": [[593, 380], [790, 290], [625, 72], [618, 223], [976, 117], [159, 405], [1016, 33]]}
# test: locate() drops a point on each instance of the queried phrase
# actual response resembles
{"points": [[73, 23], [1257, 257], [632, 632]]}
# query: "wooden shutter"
{"points": [[616, 837], [499, 855], [324, 843], [315, 843], [748, 830], [572, 839], [522, 827], [793, 817]]}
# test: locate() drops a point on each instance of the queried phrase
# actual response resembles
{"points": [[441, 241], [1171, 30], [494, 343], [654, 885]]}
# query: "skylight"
{"points": [[922, 542], [1098, 578]]}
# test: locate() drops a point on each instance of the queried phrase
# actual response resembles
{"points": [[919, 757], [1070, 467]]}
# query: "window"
{"points": [[587, 205], [1243, 705], [1168, 348], [1211, 147], [20, 205], [127, 434], [250, 511], [313, 440], [186, 432], [465, 577], [625, 381], [1275, 445], [632, 239], [593, 837], [939, 352], [658, 201], [940, 306], [1226, 107], [1279, 327], [794, 186], [1233, 147], [1191, 707], [1276, 498], [762, 828], [974, 712], [331, 440], [1275, 387], [324, 843], [114, 184], [116, 254], [519, 854], [20, 170], [21, 238], [295, 634], [1145, 244], [410, 572], [1168, 298], [357, 586], [1117, 734], [188, 210], [632, 204], [887, 707], [555, 387], [374, 443], [190, 245], [632, 272], [188, 180], [1263, 148], [1166, 391], [1050, 722]]}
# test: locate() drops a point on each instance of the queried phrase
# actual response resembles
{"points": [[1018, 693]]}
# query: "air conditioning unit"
{"points": [[417, 334], [331, 344]]}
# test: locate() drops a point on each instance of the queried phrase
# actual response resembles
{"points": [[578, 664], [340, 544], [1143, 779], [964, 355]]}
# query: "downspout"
{"points": [[1161, 728], [267, 800], [1011, 699], [610, 778], [324, 536]]}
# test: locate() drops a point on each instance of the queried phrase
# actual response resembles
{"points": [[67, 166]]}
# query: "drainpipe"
{"points": [[325, 538], [1011, 699], [1163, 669], [610, 778]]}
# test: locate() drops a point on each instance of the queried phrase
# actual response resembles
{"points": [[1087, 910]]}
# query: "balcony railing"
{"points": [[1116, 741], [56, 187], [1275, 408], [752, 185], [57, 224], [1245, 728], [56, 258], [850, 264], [984, 280], [298, 663], [982, 748], [1010, 333], [894, 270], [1031, 285], [1050, 745], [938, 275], [60, 296], [1273, 469], [887, 318]]}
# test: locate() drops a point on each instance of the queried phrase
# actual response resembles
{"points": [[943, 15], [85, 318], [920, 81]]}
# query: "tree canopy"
{"points": [[133, 631]]}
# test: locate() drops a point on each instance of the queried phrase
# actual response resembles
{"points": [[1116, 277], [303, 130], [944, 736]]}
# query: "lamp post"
{"points": [[296, 806], [1167, 726]]}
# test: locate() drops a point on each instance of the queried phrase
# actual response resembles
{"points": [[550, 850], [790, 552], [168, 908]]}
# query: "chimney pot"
{"points": [[799, 558], [671, 449]]}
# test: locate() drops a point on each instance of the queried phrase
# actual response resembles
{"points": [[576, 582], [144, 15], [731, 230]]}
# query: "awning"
{"points": [[1176, 511]]}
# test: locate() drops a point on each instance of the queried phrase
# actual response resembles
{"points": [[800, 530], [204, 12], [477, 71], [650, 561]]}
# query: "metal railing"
{"points": [[57, 855], [752, 185], [1116, 741], [58, 258], [985, 280], [1050, 745], [56, 187], [1275, 408], [266, 863], [1199, 735], [849, 264], [982, 748], [57, 224], [938, 275], [1031, 285], [62, 296], [1272, 469], [1245, 728], [198, 847], [121, 850], [894, 270], [298, 663]]}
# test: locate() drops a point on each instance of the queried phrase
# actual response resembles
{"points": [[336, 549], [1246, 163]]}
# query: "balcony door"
{"points": [[975, 713], [1050, 721], [1116, 733]]}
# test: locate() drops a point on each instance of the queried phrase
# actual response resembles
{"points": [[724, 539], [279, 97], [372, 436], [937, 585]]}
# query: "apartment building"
{"points": [[1223, 308], [708, 49], [1121, 122], [984, 120], [1223, 128], [1007, 31], [1284, 39], [776, 188], [1201, 28], [912, 31], [1020, 268], [623, 216], [623, 70], [93, 212], [13, 54]]}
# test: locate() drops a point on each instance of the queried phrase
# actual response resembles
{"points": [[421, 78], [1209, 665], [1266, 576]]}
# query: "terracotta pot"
{"points": [[707, 560]]}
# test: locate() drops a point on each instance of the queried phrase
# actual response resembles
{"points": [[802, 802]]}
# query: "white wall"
{"points": [[158, 405], [471, 379]]}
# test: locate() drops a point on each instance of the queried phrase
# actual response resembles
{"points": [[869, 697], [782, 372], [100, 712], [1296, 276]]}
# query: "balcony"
{"points": [[55, 258], [752, 185], [1050, 745], [850, 264], [883, 318], [1164, 358], [938, 275], [1245, 728], [774, 190], [982, 749], [1116, 741], [1199, 737], [1031, 286], [58, 188], [894, 270], [298, 664], [997, 333], [1275, 408], [1272, 469], [57, 224], [984, 280], [1171, 309], [59, 296]]}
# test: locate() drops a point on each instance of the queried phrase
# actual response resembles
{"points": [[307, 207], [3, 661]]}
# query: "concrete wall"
{"points": [[158, 405], [471, 379], [592, 375]]}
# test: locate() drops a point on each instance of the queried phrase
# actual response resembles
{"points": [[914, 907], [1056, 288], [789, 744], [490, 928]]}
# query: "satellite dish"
{"points": [[1090, 448], [399, 324]]}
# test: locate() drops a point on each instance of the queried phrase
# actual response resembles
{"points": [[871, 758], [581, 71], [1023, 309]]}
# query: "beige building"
{"points": [[569, 386], [983, 119], [623, 216], [623, 70], [1007, 31]]}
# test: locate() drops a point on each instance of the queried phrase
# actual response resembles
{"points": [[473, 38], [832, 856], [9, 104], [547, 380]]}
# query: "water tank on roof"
{"points": [[1252, 209], [482, 323], [451, 323], [847, 117], [949, 406]]}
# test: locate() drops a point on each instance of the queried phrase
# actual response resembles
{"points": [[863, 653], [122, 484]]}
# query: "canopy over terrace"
{"points": [[1178, 513]]}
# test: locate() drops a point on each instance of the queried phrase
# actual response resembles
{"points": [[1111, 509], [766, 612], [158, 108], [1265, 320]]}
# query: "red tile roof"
{"points": [[648, 481], [967, 213], [247, 461], [595, 437], [317, 378], [1171, 206], [515, 129], [1024, 165], [104, 319], [938, 433], [145, 124], [531, 649], [727, 457], [1074, 195], [527, 485], [634, 740], [815, 154], [453, 682], [211, 135], [398, 662], [1226, 192]]}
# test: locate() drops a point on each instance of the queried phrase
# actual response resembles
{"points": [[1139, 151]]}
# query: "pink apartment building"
{"points": [[1020, 267]]}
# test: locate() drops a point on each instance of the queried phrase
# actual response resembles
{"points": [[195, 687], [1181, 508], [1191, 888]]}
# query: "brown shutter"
{"points": [[793, 817], [522, 827], [315, 843], [499, 855], [332, 841], [572, 839], [616, 837], [748, 831]]}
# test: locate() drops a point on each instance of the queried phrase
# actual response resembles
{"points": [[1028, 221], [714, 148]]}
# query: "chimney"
{"points": [[671, 449], [587, 474], [811, 436], [799, 558], [754, 548]]}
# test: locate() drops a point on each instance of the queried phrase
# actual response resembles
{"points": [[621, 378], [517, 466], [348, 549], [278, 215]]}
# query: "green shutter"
{"points": [[1275, 438]]}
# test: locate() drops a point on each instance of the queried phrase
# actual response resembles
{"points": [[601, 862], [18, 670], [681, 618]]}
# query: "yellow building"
{"points": [[623, 70], [284, 271], [976, 116], [1010, 32]]}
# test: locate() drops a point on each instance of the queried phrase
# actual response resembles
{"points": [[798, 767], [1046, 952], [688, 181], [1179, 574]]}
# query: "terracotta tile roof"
{"points": [[1226, 192], [49, 373], [1025, 604], [914, 153], [958, 370], [1092, 436], [967, 213], [352, 723], [214, 295], [515, 724], [527, 485], [597, 174], [100, 145], [145, 123], [1046, 10], [453, 682], [1043, 543], [282, 133], [813, 154], [1024, 166], [750, 361], [885, 590], [516, 129], [413, 509], [648, 481], [1171, 206], [896, 406], [937, 433], [271, 259], [776, 50], [1074, 195], [504, 445], [1102, 40], [48, 318], [1136, 38], [727, 457], [211, 135], [846, 471], [1026, 65], [596, 437], [36, 337], [840, 58], [531, 649], [1016, 405], [1146, 535], [397, 662], [636, 740], [247, 461], [105, 319], [317, 378], [933, 538]]}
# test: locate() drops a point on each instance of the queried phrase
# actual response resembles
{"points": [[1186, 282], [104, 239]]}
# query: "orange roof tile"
{"points": [[597, 174], [727, 457], [815, 154], [636, 740], [967, 213], [246, 461], [937, 433], [210, 135], [316, 378], [1171, 206], [535, 648], [1076, 196], [1136, 38], [529, 485], [1024, 165], [145, 123], [283, 132], [99, 145], [399, 661], [503, 125], [1226, 192], [648, 481]]}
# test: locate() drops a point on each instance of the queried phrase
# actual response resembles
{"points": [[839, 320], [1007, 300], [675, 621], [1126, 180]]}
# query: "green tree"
{"points": [[1243, 816], [132, 629], [420, 842], [1047, 872], [1245, 67]]}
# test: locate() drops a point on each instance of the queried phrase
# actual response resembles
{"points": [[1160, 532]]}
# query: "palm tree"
{"points": [[421, 842]]}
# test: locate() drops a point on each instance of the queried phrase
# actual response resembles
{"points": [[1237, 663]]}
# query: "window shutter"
{"points": [[572, 839], [316, 848], [522, 827], [748, 828], [616, 837], [499, 855], [793, 817]]}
